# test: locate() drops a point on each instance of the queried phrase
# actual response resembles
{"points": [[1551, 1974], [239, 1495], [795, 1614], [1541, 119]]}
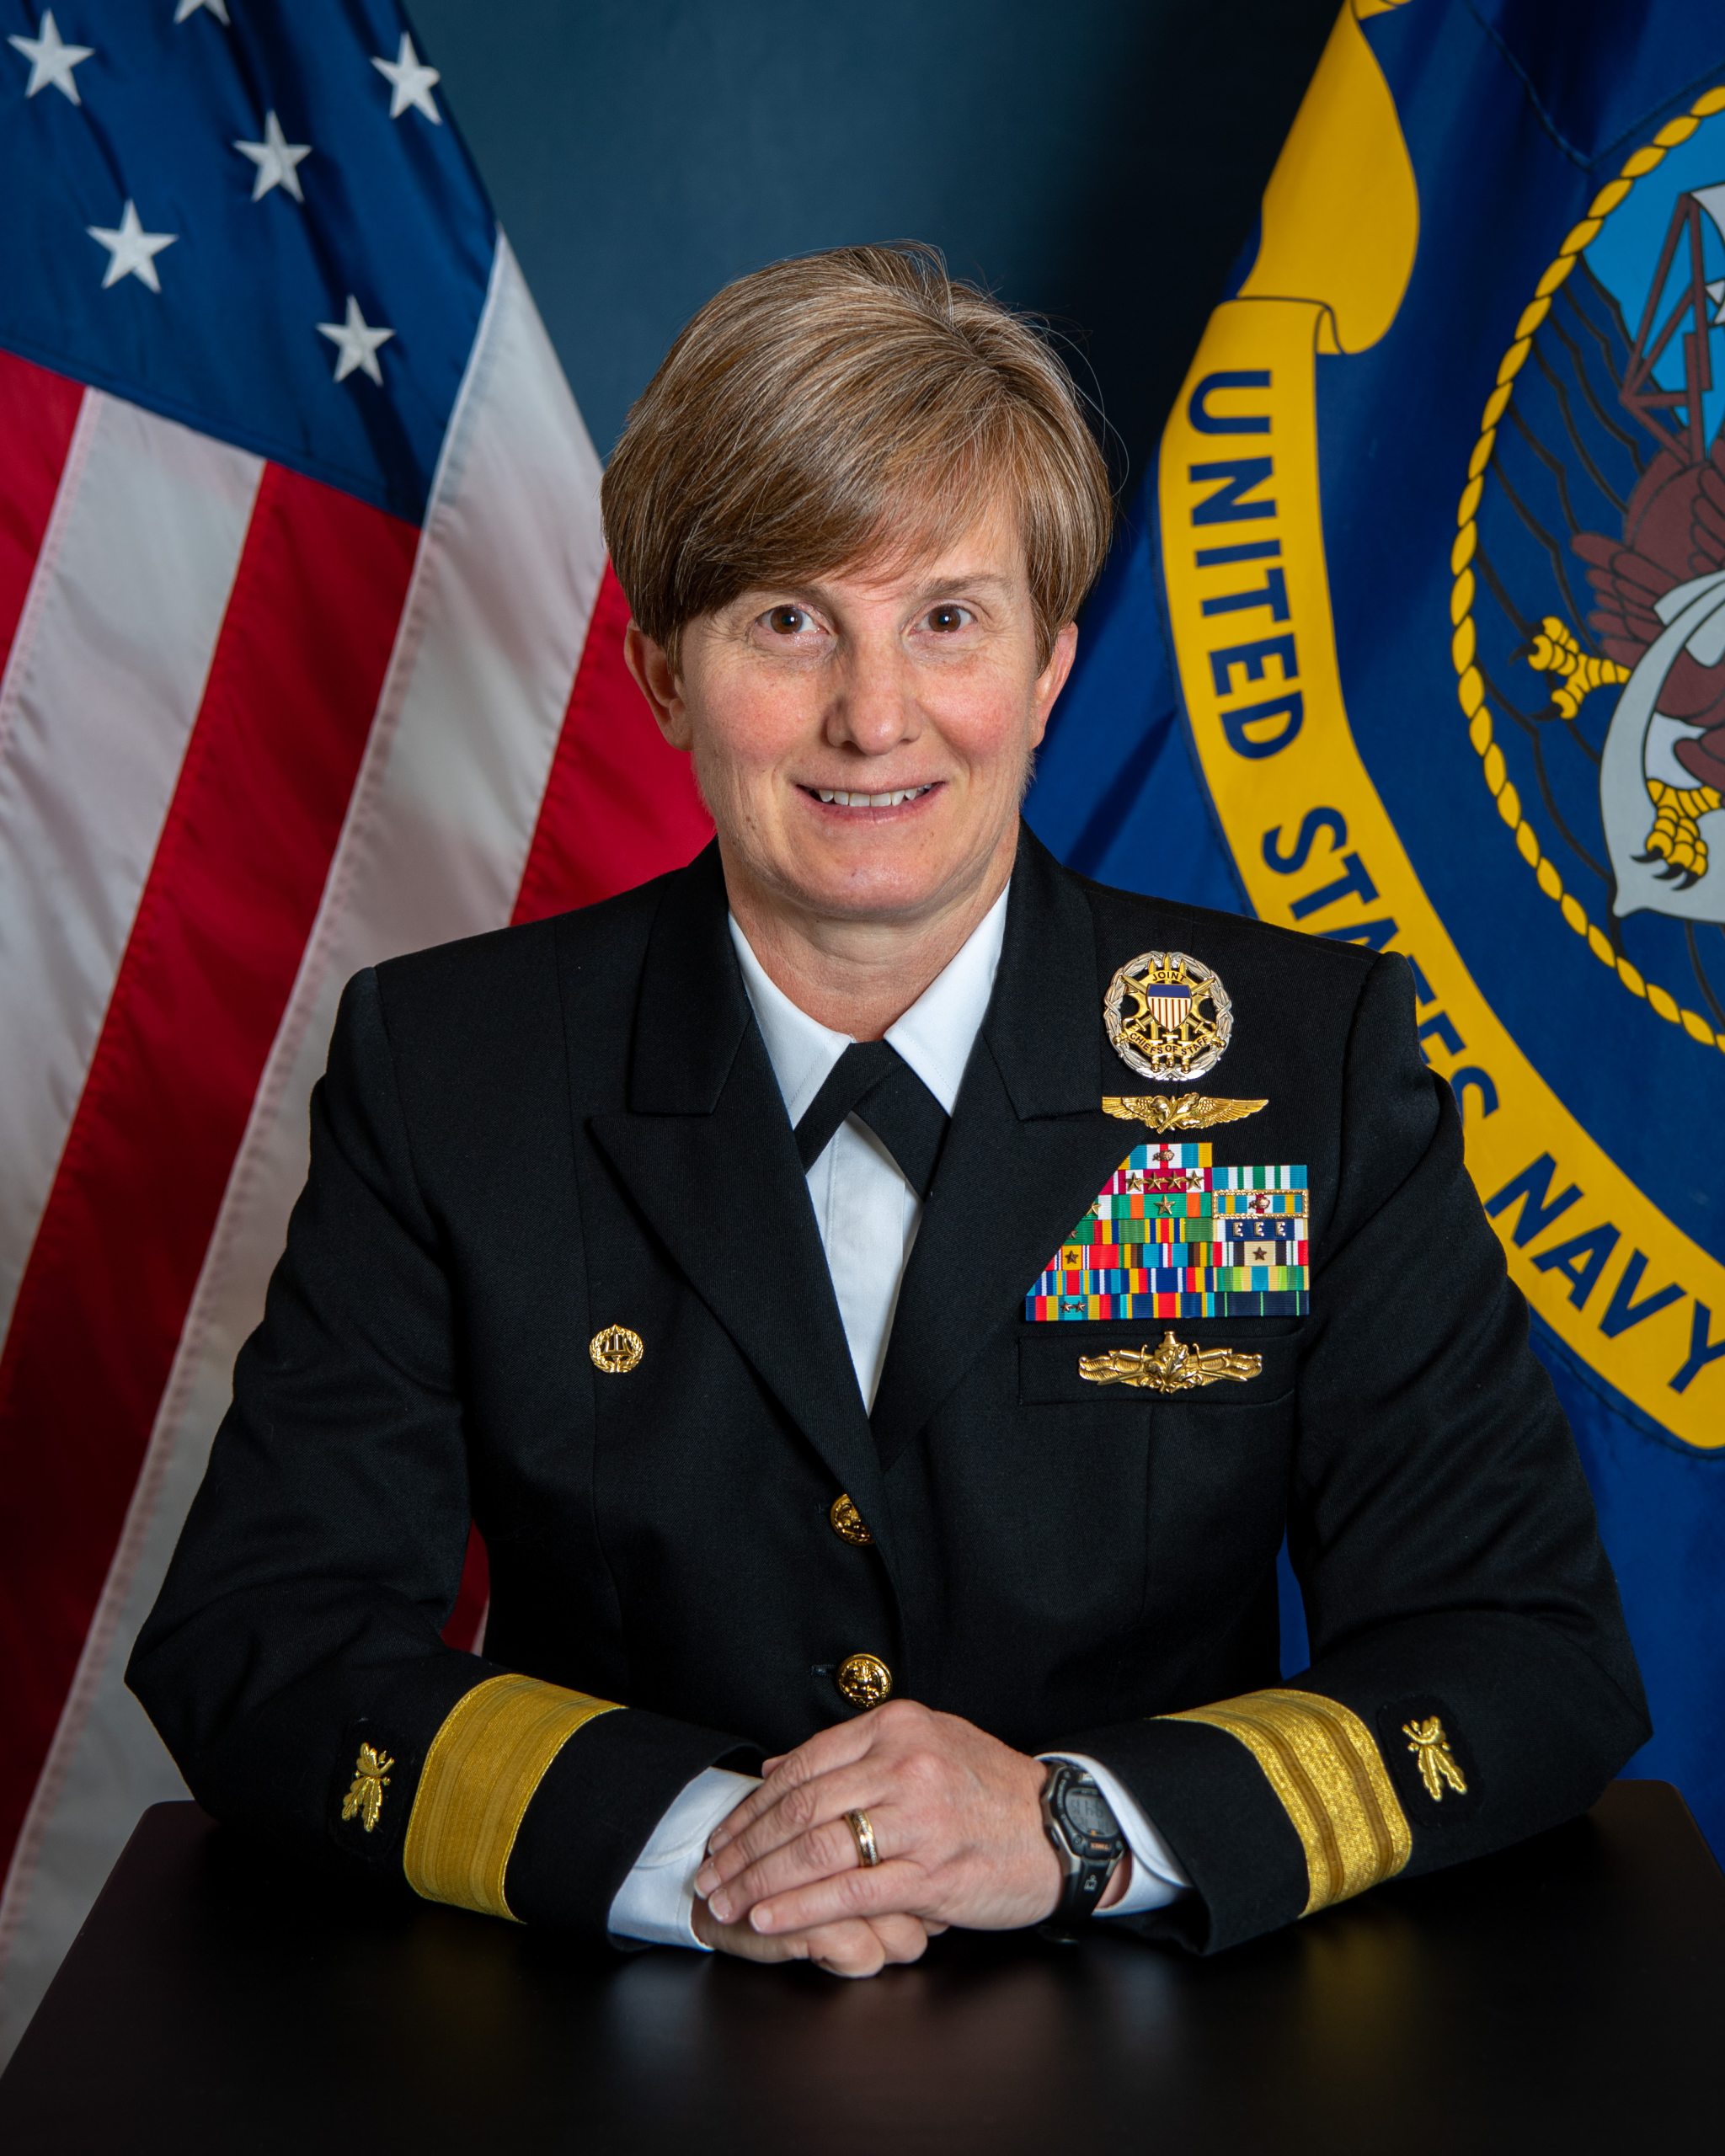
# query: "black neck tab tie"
{"points": [[872, 1081]]}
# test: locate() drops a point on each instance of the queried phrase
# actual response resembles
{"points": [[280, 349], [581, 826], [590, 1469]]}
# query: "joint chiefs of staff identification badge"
{"points": [[1168, 1017]]}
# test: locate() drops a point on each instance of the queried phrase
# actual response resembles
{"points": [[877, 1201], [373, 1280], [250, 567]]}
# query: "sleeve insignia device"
{"points": [[370, 1779], [1437, 1762], [1173, 1367]]}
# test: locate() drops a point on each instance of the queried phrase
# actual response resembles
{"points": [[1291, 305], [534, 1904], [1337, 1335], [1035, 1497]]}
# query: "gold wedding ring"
{"points": [[864, 1836]]}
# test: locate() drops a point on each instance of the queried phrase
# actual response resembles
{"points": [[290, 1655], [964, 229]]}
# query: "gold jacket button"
{"points": [[848, 1522], [864, 1680]]}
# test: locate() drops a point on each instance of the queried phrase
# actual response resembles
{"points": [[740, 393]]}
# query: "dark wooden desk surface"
{"points": [[1567, 1996]]}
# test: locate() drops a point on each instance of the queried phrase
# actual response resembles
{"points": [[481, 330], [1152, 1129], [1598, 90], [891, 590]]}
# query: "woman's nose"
{"points": [[873, 708]]}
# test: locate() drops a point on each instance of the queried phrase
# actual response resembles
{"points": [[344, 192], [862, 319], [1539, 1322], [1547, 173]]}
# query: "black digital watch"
{"points": [[1087, 1840]]}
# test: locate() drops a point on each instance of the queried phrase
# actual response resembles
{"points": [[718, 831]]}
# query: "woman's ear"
{"points": [[657, 680], [1053, 678]]}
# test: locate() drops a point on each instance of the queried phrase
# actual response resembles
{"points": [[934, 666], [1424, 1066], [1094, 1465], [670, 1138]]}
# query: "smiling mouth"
{"points": [[839, 798]]}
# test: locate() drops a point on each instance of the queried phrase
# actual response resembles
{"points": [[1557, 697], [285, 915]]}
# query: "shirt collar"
{"points": [[935, 1036]]}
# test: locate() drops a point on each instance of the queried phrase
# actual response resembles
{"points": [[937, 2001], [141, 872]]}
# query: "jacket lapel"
{"points": [[1028, 1149], [705, 1151]]}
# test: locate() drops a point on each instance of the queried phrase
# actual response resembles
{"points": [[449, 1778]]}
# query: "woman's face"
{"points": [[863, 740]]}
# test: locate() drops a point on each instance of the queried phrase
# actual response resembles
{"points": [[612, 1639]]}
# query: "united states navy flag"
{"points": [[1419, 642]]}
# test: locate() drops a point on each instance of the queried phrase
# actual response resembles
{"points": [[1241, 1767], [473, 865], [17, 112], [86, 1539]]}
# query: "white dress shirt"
{"points": [[867, 1215]]}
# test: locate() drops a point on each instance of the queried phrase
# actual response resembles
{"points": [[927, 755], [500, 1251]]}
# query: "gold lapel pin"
{"points": [[615, 1349]]}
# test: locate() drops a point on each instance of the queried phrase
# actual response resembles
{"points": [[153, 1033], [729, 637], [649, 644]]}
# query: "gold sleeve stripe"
{"points": [[1329, 1777], [485, 1762]]}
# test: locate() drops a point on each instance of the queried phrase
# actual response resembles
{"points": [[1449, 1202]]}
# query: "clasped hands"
{"points": [[957, 1823]]}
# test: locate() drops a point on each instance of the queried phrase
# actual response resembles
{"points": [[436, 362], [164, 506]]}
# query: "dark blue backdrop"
{"points": [[1100, 161]]}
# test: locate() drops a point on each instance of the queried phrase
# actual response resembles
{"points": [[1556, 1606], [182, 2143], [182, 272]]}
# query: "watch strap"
{"points": [[1087, 1863]]}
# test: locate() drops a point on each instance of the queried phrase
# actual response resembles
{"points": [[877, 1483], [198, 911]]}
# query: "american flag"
{"points": [[309, 654]]}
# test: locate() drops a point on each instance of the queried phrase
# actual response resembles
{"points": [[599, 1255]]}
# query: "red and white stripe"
{"points": [[102, 691], [254, 735], [1171, 1011]]}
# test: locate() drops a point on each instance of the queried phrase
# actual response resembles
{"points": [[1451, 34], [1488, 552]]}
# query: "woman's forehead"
{"points": [[909, 558]]}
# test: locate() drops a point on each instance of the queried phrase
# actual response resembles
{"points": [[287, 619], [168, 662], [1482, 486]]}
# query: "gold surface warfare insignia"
{"points": [[1161, 1112], [1437, 1762], [1168, 1016], [1172, 1366], [370, 1779]]}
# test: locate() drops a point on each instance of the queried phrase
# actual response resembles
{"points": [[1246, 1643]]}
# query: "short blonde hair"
{"points": [[855, 406]]}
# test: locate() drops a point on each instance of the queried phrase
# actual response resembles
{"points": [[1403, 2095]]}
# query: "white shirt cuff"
{"points": [[655, 1901], [1157, 1877]]}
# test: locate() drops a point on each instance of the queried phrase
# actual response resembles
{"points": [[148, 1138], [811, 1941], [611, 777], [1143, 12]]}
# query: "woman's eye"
{"points": [[788, 621], [946, 620]]}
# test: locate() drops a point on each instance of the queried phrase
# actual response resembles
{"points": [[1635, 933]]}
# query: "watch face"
{"points": [[1089, 1816]]}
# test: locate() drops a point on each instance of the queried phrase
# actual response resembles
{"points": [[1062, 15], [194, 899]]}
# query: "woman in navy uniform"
{"points": [[882, 1445]]}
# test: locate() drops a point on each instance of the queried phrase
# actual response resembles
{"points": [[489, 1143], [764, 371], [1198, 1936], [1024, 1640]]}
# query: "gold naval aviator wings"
{"points": [[1163, 1112]]}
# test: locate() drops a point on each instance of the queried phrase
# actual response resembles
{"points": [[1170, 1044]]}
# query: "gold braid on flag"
{"points": [[486, 1761], [1328, 1776]]}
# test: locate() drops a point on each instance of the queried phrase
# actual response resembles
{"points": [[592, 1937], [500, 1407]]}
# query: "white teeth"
{"points": [[842, 799]]}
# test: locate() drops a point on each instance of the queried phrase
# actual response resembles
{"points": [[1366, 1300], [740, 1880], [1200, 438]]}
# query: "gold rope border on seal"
{"points": [[1329, 1777], [1470, 686], [488, 1757]]}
